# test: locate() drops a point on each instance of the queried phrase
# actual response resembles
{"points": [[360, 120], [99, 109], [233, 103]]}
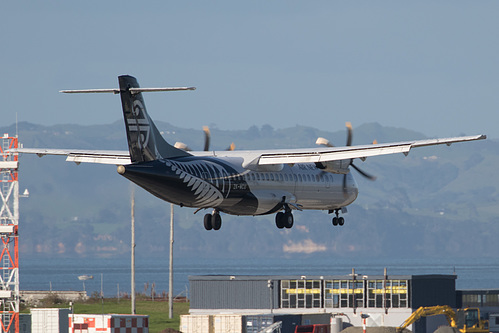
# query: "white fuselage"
{"points": [[224, 184]]}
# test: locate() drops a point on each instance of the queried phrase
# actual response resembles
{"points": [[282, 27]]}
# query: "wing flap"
{"points": [[335, 155], [100, 159]]}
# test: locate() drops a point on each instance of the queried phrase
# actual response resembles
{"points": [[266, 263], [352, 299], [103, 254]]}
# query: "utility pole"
{"points": [[133, 250], [170, 287]]}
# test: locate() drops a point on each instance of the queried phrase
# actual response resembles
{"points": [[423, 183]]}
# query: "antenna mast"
{"points": [[9, 220]]}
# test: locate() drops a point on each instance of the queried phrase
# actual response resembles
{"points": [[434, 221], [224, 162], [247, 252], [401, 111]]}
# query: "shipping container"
{"points": [[24, 323], [243, 323], [108, 323], [289, 322], [494, 322], [255, 323], [196, 324], [49, 320], [228, 323]]}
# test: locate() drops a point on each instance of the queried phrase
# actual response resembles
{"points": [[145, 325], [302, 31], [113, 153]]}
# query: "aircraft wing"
{"points": [[314, 155], [263, 157], [117, 157]]}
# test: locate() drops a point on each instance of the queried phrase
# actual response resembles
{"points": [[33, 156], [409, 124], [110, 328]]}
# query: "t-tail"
{"points": [[145, 142]]}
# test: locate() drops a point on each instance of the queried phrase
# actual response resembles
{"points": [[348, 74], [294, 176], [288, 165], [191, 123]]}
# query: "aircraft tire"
{"points": [[335, 221], [341, 221], [216, 221], [207, 222], [288, 220], [279, 220]]}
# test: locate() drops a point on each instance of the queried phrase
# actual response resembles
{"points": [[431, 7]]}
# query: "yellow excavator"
{"points": [[465, 320]]}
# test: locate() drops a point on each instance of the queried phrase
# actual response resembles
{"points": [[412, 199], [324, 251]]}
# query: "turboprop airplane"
{"points": [[255, 182]]}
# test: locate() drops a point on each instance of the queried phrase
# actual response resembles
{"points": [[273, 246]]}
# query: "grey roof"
{"points": [[317, 277]]}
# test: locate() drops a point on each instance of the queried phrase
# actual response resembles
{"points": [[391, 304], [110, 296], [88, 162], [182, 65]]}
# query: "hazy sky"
{"points": [[430, 66]]}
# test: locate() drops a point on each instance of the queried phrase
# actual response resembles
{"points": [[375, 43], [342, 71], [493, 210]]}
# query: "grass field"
{"points": [[157, 310]]}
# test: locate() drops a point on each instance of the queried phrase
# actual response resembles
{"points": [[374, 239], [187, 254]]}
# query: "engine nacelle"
{"points": [[339, 167]]}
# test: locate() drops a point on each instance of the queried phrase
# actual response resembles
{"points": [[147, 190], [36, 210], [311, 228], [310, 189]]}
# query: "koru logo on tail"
{"points": [[140, 124]]}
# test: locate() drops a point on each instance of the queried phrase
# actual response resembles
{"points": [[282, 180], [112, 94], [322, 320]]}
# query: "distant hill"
{"points": [[438, 201]]}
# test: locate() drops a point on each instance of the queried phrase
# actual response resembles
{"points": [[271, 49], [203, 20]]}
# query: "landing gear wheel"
{"points": [[207, 222], [288, 220], [341, 221], [335, 221], [279, 220], [216, 221]]}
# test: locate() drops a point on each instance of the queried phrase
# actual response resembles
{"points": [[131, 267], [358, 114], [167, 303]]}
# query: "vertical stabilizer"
{"points": [[145, 142]]}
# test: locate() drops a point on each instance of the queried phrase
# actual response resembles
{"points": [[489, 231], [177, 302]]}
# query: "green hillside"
{"points": [[436, 201]]}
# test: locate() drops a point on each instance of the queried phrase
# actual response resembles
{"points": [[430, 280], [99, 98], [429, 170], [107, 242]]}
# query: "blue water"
{"points": [[62, 274]]}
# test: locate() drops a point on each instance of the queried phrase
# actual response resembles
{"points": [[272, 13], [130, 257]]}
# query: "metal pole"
{"points": [[170, 289], [133, 250], [385, 277]]}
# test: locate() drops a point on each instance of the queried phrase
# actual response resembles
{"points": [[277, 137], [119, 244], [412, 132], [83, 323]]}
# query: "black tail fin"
{"points": [[145, 142]]}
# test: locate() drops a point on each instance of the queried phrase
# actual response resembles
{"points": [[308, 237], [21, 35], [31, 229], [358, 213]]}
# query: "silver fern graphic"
{"points": [[209, 182]]}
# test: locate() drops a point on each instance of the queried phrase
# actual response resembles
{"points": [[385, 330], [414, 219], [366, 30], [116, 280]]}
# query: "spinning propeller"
{"points": [[325, 142], [207, 138]]}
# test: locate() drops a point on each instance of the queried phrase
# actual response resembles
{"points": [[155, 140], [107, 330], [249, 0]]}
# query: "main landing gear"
{"points": [[338, 220], [213, 221], [284, 219]]}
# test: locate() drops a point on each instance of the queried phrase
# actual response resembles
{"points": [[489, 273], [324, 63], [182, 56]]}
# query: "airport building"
{"points": [[384, 300]]}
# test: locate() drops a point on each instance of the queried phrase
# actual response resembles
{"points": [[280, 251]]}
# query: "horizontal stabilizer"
{"points": [[132, 90]]}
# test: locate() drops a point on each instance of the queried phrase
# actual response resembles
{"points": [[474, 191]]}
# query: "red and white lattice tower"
{"points": [[9, 219]]}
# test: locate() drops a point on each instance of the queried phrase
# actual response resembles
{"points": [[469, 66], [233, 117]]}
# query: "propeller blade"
{"points": [[349, 133], [363, 173], [232, 147], [207, 136], [181, 145], [323, 142]]}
